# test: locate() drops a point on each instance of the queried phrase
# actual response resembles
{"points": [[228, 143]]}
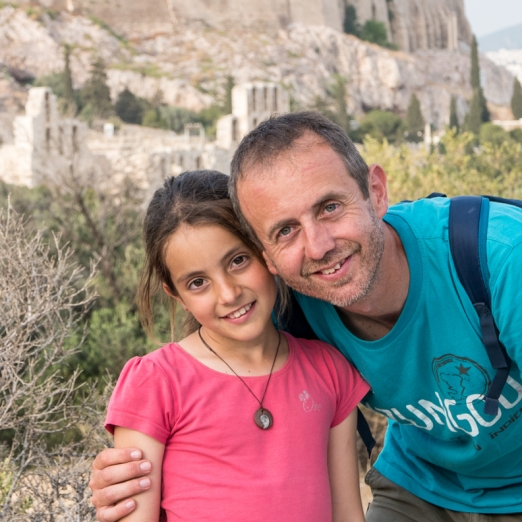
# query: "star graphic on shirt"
{"points": [[463, 370]]}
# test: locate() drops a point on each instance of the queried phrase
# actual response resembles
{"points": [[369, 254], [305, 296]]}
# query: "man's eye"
{"points": [[330, 207], [285, 231]]}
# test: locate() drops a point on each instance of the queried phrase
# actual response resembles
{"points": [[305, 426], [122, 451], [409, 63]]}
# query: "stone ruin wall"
{"points": [[412, 24]]}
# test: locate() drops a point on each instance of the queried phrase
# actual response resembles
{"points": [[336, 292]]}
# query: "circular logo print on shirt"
{"points": [[459, 377]]}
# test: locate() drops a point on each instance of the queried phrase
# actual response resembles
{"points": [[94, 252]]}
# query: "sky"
{"points": [[489, 16]]}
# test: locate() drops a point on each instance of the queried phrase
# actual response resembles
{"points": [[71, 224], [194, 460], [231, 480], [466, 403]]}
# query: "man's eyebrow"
{"points": [[315, 207], [190, 275]]}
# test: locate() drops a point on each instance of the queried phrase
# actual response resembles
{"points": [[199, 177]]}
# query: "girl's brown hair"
{"points": [[192, 198]]}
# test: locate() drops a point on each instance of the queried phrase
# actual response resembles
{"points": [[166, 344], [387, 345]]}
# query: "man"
{"points": [[380, 285]]}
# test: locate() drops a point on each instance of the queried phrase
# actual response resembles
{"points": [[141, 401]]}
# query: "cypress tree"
{"points": [[484, 111], [227, 107], [414, 120], [350, 23], [69, 105], [475, 81], [475, 67], [96, 95], [516, 100], [473, 119], [454, 119], [339, 96]]}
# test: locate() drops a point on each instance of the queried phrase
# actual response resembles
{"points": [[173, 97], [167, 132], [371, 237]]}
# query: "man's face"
{"points": [[319, 233]]}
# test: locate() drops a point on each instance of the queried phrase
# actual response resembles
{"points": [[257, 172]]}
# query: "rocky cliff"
{"points": [[189, 65], [411, 24]]}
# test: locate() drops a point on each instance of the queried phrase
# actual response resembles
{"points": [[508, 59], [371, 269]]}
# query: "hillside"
{"points": [[410, 24], [510, 38], [189, 66]]}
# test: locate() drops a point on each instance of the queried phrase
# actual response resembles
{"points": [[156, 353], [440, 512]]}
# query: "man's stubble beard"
{"points": [[369, 263]]}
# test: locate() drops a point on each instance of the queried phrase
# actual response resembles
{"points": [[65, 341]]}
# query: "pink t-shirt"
{"points": [[218, 465]]}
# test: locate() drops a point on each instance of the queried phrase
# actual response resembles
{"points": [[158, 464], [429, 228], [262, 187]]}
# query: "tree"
{"points": [[456, 168], [381, 125], [454, 119], [227, 106], [414, 120], [69, 104], [516, 135], [350, 23], [475, 81], [95, 94], [375, 32], [490, 133], [516, 99], [128, 107], [177, 117], [49, 424], [474, 116], [153, 118], [338, 93], [475, 66]]}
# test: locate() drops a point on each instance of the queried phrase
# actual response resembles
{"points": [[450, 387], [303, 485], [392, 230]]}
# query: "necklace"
{"points": [[262, 417]]}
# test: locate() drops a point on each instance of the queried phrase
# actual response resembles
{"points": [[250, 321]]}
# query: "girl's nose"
{"points": [[229, 290]]}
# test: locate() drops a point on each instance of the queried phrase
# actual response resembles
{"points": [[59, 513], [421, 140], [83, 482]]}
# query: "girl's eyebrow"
{"points": [[190, 275]]}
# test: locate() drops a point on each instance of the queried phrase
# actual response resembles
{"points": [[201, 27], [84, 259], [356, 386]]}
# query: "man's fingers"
{"points": [[111, 456], [115, 497], [102, 478], [113, 513]]}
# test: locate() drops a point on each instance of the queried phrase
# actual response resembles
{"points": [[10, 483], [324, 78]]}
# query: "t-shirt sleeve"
{"points": [[142, 400], [348, 383]]}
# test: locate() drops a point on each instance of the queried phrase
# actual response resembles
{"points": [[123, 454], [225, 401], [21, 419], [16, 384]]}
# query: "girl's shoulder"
{"points": [[167, 359]]}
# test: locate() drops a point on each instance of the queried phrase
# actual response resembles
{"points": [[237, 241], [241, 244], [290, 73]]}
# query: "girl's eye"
{"points": [[239, 260], [196, 283]]}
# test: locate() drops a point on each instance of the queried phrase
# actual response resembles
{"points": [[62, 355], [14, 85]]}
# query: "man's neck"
{"points": [[375, 315]]}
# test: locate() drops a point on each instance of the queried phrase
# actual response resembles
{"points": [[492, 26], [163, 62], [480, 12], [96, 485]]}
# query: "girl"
{"points": [[241, 422]]}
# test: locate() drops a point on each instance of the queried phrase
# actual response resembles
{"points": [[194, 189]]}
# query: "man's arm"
{"points": [[343, 470], [117, 475]]}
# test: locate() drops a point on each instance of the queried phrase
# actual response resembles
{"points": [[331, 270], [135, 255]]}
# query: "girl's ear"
{"points": [[167, 290]]}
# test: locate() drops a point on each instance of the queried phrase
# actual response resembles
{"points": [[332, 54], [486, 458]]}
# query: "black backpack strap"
{"points": [[297, 325], [468, 221]]}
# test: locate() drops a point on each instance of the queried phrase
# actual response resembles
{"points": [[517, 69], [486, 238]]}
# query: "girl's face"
{"points": [[220, 281]]}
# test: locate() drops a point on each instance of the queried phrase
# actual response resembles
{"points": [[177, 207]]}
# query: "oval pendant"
{"points": [[263, 419]]}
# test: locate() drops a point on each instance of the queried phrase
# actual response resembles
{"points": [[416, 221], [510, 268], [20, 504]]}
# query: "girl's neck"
{"points": [[247, 358]]}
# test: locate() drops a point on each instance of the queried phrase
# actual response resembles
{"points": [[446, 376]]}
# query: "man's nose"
{"points": [[317, 241]]}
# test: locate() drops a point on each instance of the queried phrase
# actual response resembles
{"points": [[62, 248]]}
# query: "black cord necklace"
{"points": [[262, 417]]}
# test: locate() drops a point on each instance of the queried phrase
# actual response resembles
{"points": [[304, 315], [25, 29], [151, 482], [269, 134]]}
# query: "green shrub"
{"points": [[490, 133], [381, 125]]}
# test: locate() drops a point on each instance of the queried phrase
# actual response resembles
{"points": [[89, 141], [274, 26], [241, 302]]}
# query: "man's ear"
{"points": [[167, 290], [270, 265], [378, 190]]}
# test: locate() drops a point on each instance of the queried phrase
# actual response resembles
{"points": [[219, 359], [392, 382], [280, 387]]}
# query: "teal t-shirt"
{"points": [[429, 373]]}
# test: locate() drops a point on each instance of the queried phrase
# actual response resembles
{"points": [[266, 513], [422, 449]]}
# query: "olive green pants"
{"points": [[391, 503]]}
